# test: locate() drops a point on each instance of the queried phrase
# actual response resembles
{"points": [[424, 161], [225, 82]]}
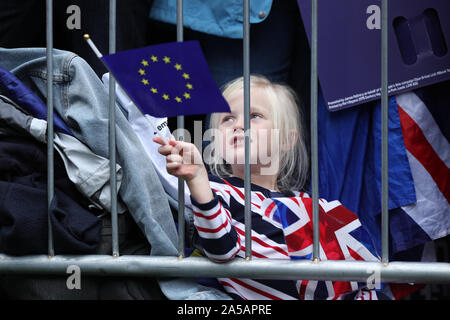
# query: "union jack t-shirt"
{"points": [[281, 229]]}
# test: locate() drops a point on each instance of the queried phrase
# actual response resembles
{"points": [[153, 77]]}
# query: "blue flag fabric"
{"points": [[18, 92], [350, 163], [167, 80]]}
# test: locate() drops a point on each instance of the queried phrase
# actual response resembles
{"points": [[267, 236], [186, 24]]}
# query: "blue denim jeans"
{"points": [[81, 101]]}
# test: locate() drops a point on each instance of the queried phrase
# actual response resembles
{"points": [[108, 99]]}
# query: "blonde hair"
{"points": [[294, 163]]}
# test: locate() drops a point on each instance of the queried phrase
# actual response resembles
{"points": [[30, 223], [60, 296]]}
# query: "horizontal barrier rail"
{"points": [[149, 266]]}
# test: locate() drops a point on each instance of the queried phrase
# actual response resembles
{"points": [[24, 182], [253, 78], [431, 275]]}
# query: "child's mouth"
{"points": [[237, 140]]}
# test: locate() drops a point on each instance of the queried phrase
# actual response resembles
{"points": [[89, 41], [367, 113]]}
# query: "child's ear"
{"points": [[293, 139]]}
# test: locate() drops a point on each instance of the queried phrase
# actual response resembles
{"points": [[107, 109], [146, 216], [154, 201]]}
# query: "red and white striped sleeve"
{"points": [[213, 222]]}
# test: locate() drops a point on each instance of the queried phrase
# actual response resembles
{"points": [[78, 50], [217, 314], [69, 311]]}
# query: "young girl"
{"points": [[279, 166]]}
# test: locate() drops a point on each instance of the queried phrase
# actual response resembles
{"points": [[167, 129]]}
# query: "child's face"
{"points": [[231, 125]]}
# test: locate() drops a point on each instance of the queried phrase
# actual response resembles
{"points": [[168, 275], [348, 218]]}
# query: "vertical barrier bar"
{"points": [[247, 180], [50, 131], [112, 133], [384, 134], [180, 125], [314, 133]]}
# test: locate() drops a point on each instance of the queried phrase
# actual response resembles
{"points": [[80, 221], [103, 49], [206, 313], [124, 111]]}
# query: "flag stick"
{"points": [[99, 55], [92, 45]]}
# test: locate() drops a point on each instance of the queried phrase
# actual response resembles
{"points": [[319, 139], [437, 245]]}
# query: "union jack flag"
{"points": [[342, 237]]}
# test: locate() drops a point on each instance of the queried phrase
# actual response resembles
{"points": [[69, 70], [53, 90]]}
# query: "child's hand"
{"points": [[183, 159]]}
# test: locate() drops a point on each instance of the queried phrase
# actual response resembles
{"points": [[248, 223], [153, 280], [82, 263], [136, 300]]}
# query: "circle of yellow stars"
{"points": [[186, 95]]}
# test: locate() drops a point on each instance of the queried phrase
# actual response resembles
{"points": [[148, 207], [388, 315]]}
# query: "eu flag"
{"points": [[167, 80]]}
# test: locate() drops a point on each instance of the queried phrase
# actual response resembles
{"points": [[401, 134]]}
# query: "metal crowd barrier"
{"points": [[314, 269]]}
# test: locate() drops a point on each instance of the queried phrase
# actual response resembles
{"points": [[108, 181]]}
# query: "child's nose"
{"points": [[239, 124]]}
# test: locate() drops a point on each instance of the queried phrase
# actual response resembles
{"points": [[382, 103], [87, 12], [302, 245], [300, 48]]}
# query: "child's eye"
{"points": [[227, 119], [255, 116]]}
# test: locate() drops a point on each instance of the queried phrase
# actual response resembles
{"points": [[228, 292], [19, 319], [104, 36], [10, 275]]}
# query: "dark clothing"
{"points": [[23, 204], [53, 287], [76, 229]]}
